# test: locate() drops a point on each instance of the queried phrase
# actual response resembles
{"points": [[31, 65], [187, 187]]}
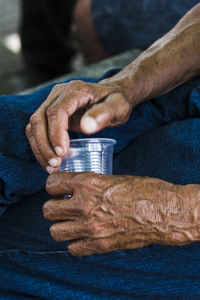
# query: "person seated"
{"points": [[106, 28], [152, 108], [102, 29]]}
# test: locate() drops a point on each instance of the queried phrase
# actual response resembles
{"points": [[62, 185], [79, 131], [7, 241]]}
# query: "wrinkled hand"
{"points": [[106, 212], [76, 106]]}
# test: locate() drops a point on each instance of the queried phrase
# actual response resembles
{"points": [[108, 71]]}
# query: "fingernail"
{"points": [[50, 170], [53, 162], [58, 150], [89, 124]]}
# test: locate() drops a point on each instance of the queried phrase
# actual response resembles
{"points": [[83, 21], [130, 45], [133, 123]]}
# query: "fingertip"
{"points": [[89, 125], [50, 170], [53, 162], [59, 150], [63, 142]]}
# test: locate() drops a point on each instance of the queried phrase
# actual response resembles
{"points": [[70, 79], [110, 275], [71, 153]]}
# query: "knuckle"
{"points": [[102, 245], [55, 112], [85, 87], [87, 178], [40, 150], [50, 180], [94, 180], [54, 232], [92, 89], [97, 90], [47, 210], [28, 131], [75, 82], [47, 186], [35, 120], [38, 156], [92, 229], [57, 88], [56, 91], [79, 178], [52, 111], [84, 210]]}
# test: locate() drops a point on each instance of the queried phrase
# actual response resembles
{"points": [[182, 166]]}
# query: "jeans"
{"points": [[162, 140]]}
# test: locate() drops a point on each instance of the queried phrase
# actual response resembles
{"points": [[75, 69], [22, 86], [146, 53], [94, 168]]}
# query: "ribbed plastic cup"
{"points": [[89, 155]]}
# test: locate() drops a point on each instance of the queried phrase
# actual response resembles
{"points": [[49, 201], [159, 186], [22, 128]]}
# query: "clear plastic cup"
{"points": [[89, 155]]}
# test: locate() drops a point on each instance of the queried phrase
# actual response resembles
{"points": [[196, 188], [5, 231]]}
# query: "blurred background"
{"points": [[41, 40], [14, 76], [11, 65]]}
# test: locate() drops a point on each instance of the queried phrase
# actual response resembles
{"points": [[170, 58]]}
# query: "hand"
{"points": [[106, 212], [76, 106]]}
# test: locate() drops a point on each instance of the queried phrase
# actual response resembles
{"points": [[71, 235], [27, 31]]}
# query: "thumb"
{"points": [[113, 111]]}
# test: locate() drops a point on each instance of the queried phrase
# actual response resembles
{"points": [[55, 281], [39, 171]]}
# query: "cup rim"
{"points": [[94, 140]]}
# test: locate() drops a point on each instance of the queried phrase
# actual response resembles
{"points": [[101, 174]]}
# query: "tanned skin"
{"points": [[107, 212]]}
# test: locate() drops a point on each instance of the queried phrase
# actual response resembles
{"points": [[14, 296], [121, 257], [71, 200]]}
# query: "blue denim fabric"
{"points": [[126, 24], [161, 139]]}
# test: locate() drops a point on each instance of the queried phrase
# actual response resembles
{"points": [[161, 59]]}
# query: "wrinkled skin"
{"points": [[90, 107], [68, 107], [108, 213]]}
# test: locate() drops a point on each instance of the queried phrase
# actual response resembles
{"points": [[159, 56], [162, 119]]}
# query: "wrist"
{"points": [[132, 83], [166, 213], [180, 215]]}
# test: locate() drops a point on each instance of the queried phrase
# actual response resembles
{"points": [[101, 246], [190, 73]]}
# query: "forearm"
{"points": [[169, 62], [171, 212], [182, 218]]}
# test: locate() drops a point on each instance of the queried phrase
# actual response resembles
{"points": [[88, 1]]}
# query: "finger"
{"points": [[35, 149], [138, 244], [42, 144], [58, 120], [59, 210], [58, 115], [67, 104], [40, 130], [66, 231], [88, 246], [111, 112], [59, 184], [74, 122]]}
